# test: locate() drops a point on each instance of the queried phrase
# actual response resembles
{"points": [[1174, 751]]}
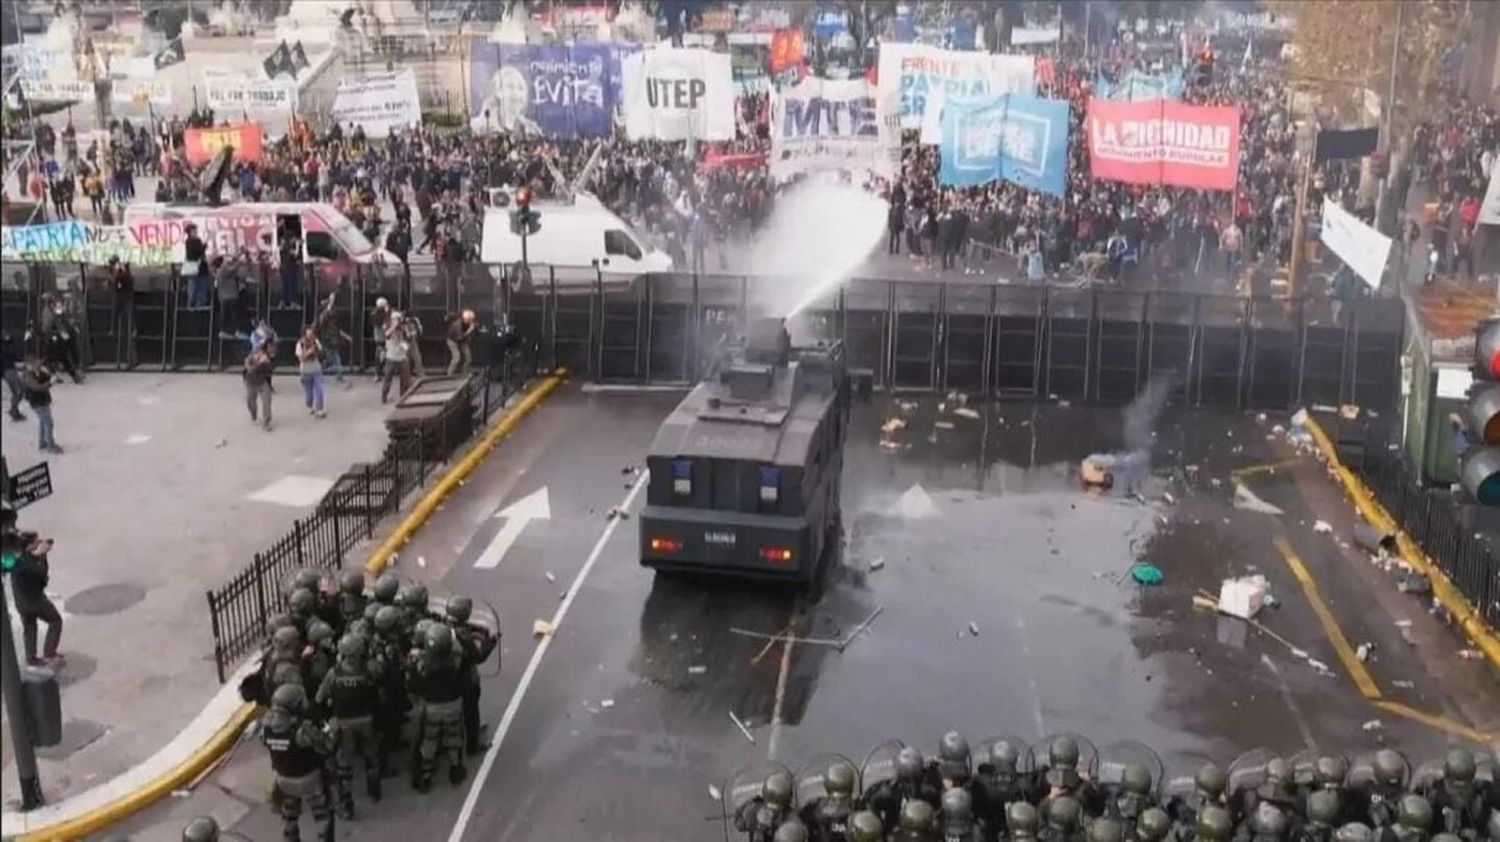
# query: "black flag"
{"points": [[170, 54], [278, 62], [299, 58], [1334, 145]]}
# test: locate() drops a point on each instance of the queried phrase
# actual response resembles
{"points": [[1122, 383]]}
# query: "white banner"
{"points": [[1489, 212], [379, 103], [132, 67], [227, 92], [674, 94], [1025, 35], [823, 124], [38, 63], [920, 71], [58, 90], [1357, 244], [140, 92]]}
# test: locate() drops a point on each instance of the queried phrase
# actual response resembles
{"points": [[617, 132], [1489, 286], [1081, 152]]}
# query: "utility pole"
{"points": [[1388, 118], [10, 668], [1299, 224]]}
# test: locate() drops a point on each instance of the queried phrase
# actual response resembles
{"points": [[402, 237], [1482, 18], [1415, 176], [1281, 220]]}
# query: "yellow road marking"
{"points": [[1356, 670], [1442, 723], [1266, 468]]}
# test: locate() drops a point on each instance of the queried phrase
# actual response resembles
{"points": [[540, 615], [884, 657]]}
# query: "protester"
{"points": [[12, 355], [258, 389], [39, 380], [28, 581], [397, 365], [310, 369], [460, 335]]}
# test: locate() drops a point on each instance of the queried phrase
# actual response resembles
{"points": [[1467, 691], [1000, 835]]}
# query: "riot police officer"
{"points": [[791, 830], [1214, 824], [394, 700], [387, 589], [349, 694], [759, 817], [913, 781], [827, 817], [1133, 795], [1063, 815], [1268, 823], [953, 762], [283, 664], [320, 658], [1278, 790], [414, 601], [916, 823], [1323, 810], [997, 782], [201, 829], [1106, 829], [957, 822], [1457, 803], [1381, 798], [1153, 825], [865, 826], [1062, 778], [302, 605], [1021, 822], [475, 644], [438, 682], [298, 750], [351, 598], [1413, 820], [1208, 789]]}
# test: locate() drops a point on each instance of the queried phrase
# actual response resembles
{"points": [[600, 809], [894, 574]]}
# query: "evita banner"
{"points": [[678, 94], [559, 91]]}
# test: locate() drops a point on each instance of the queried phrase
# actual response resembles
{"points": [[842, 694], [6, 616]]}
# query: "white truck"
{"points": [[579, 240]]}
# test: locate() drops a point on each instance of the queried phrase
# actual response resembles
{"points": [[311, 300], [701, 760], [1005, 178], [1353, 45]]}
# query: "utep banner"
{"points": [[558, 91], [1136, 86], [1021, 139], [379, 103], [822, 124], [674, 94], [923, 73], [79, 242], [1161, 142], [230, 93], [200, 145]]}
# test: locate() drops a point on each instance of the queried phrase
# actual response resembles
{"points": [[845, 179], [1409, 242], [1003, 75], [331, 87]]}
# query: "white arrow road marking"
{"points": [[533, 506]]}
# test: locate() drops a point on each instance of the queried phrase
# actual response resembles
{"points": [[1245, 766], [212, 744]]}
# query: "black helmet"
{"points": [[290, 698], [1063, 752], [319, 632], [1323, 807], [1021, 818], [1268, 820], [439, 639], [1330, 772], [1414, 813], [352, 582], [865, 826], [839, 780], [371, 610], [459, 609], [1389, 768], [415, 596], [201, 829], [1064, 813], [303, 603], [791, 830], [387, 619], [1214, 824], [351, 647], [1136, 779], [1004, 756], [387, 588], [909, 763], [1153, 825], [958, 805], [1353, 832], [777, 789], [1210, 779], [1106, 830], [308, 578], [1459, 766], [916, 816], [1278, 771]]}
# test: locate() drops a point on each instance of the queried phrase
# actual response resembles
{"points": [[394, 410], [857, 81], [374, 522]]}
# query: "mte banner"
{"points": [[1162, 142], [676, 94], [561, 91], [823, 124], [200, 145], [1020, 139], [924, 73], [379, 102]]}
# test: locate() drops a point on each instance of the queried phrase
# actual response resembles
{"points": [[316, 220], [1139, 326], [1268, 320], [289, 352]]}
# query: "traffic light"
{"points": [[1479, 467], [523, 219]]}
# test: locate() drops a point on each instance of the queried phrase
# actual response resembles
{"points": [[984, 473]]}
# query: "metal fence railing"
{"points": [[241, 608], [1433, 520]]}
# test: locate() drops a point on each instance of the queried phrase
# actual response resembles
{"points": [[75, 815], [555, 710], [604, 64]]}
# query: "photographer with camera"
{"points": [[28, 579]]}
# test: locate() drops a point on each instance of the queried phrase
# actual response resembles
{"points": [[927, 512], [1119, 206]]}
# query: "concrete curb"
{"points": [[1375, 514], [216, 728], [381, 558]]}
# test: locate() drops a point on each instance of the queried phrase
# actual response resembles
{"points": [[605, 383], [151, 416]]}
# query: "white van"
{"points": [[579, 235]]}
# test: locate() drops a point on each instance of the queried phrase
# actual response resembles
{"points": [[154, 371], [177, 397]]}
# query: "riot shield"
{"points": [[1426, 776], [1179, 782], [879, 764], [1025, 762], [1088, 756], [810, 778], [1362, 770], [744, 786], [1248, 771], [1116, 756]]}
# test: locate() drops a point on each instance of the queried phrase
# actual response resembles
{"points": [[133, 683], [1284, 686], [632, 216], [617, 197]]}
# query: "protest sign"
{"points": [[379, 102], [1162, 142], [1136, 86], [676, 94], [920, 71], [135, 91], [1357, 244], [1017, 138], [224, 231], [200, 145], [561, 91], [80, 242], [831, 125], [57, 89], [227, 92]]}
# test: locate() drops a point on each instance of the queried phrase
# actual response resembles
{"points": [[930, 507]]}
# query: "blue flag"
{"points": [[1021, 139]]}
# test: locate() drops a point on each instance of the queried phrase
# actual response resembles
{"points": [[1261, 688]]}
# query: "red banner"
{"points": [[787, 49], [201, 144], [1162, 142], [736, 161]]}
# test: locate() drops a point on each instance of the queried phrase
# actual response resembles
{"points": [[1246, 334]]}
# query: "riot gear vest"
{"points": [[439, 680], [292, 755], [353, 693]]}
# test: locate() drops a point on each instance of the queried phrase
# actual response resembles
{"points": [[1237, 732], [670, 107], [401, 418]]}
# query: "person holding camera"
{"points": [[28, 581]]}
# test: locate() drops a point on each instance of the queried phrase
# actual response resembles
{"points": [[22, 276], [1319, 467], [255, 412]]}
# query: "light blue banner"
{"points": [[1021, 139], [1137, 85]]}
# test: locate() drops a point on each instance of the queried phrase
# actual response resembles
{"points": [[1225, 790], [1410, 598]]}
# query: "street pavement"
{"points": [[164, 490], [1005, 609]]}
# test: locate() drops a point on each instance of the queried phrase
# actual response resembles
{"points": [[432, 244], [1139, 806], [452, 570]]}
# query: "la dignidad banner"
{"points": [[924, 74], [559, 91], [675, 94], [200, 145], [1164, 142], [1020, 139], [823, 124]]}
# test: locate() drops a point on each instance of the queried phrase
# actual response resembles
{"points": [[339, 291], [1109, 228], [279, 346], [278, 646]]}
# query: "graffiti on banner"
{"points": [[224, 231], [677, 94], [560, 91], [229, 92], [379, 102], [200, 145], [1020, 139], [79, 242], [824, 124], [1163, 142], [924, 73]]}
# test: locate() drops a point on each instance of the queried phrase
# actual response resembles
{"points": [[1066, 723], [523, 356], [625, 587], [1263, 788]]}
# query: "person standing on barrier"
{"points": [[461, 329], [396, 365], [298, 749], [122, 284], [310, 370], [195, 267], [257, 377]]}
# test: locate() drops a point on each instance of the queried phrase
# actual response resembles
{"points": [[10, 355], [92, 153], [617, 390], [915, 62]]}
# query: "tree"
{"points": [[1343, 45]]}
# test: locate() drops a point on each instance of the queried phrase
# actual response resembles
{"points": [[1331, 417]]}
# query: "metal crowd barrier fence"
{"points": [[1432, 519]]}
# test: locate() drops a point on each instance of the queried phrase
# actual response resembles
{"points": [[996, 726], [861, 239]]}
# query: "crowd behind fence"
{"points": [[1470, 559], [240, 609]]}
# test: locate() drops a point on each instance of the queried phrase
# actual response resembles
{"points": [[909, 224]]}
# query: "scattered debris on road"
{"points": [[606, 704], [1470, 654], [551, 577], [1248, 500], [943, 425], [542, 628], [1372, 726], [715, 793], [1322, 527], [893, 425], [743, 730], [967, 412], [1243, 597], [876, 564], [1403, 684], [697, 669], [1146, 574], [974, 629], [1363, 651]]}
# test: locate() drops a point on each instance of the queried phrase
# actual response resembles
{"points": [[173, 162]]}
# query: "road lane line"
{"points": [[1442, 723], [783, 672], [1036, 695], [1335, 635], [509, 717], [1308, 741], [1266, 468]]}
